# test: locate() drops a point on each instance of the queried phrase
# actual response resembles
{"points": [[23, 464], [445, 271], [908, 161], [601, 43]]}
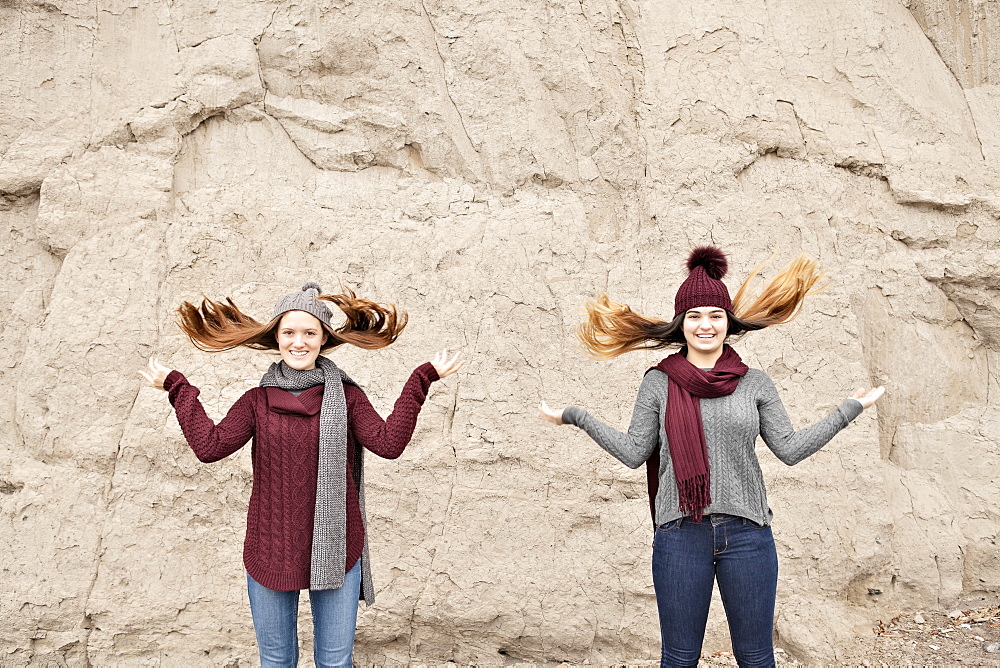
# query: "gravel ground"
{"points": [[967, 637]]}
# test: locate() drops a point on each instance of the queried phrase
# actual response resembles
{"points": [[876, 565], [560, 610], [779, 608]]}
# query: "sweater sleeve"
{"points": [[789, 445], [210, 442], [388, 438], [643, 437]]}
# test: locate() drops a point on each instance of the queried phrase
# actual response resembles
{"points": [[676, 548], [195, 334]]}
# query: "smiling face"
{"points": [[300, 336], [705, 329]]}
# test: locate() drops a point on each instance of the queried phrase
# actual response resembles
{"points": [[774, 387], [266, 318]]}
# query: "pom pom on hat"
{"points": [[312, 285], [709, 258]]}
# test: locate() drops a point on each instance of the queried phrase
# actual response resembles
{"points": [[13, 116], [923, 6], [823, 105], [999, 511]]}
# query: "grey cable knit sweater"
{"points": [[732, 424]]}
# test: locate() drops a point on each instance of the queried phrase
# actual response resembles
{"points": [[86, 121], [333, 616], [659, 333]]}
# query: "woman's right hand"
{"points": [[553, 416], [155, 374]]}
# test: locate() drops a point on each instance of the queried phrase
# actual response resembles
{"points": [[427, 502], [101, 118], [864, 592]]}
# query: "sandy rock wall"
{"points": [[488, 165]]}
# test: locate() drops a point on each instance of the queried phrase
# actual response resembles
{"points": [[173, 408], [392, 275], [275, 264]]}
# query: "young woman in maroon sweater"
{"points": [[309, 423]]}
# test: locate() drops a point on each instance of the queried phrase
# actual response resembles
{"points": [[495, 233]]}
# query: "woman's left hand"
{"points": [[445, 366], [867, 399]]}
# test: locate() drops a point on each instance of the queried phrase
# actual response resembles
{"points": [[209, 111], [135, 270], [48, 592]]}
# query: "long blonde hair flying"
{"points": [[612, 329]]}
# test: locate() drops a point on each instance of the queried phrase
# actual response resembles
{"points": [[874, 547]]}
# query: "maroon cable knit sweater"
{"points": [[285, 452]]}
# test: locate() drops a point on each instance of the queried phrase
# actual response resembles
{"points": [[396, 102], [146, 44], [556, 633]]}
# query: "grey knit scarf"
{"points": [[329, 544]]}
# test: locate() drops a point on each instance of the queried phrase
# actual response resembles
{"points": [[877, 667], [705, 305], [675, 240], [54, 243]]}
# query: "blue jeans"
{"points": [[687, 557], [334, 613]]}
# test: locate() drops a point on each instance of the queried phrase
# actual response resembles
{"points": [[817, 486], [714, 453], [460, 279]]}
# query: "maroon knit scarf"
{"points": [[686, 385]]}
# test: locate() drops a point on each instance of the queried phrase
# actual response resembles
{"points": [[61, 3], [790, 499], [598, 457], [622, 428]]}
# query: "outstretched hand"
{"points": [[867, 399], [552, 415], [155, 374], [445, 366]]}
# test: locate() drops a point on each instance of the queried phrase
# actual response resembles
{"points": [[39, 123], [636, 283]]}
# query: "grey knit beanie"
{"points": [[304, 300]]}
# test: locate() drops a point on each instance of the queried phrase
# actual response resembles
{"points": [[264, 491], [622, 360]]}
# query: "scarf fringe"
{"points": [[695, 495]]}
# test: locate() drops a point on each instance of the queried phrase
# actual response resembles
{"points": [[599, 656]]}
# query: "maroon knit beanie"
{"points": [[703, 286]]}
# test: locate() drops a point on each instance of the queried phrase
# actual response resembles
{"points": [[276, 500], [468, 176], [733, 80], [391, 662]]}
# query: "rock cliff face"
{"points": [[487, 165]]}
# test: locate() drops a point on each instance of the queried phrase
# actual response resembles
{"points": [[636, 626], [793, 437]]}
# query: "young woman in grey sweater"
{"points": [[695, 423]]}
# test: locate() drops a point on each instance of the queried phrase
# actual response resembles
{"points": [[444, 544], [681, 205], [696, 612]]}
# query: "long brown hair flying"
{"points": [[612, 329], [220, 325]]}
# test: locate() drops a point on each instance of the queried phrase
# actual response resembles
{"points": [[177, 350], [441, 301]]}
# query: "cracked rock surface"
{"points": [[488, 165]]}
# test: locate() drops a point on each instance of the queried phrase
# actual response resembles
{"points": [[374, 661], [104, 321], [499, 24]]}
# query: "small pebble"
{"points": [[979, 638], [934, 647], [955, 614], [992, 647], [919, 619], [965, 626]]}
